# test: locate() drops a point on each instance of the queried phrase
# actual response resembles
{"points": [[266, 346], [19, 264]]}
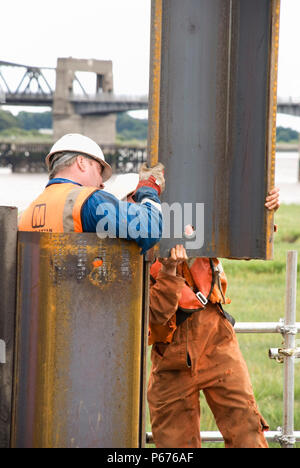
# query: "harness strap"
{"points": [[226, 314], [181, 316], [153, 279]]}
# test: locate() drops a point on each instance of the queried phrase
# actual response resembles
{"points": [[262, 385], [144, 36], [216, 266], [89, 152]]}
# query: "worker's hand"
{"points": [[177, 255], [152, 177], [272, 200]]}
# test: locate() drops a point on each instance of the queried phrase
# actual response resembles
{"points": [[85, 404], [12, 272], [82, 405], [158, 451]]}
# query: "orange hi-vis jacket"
{"points": [[205, 281], [57, 209]]}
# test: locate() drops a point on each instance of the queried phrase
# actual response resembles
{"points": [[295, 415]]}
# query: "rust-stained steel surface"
{"points": [[8, 280], [154, 83], [77, 377], [217, 118]]}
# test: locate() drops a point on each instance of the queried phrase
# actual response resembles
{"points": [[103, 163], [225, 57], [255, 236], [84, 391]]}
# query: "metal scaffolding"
{"points": [[286, 436]]}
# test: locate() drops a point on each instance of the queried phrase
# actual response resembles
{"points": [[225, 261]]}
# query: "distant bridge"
{"points": [[105, 103], [289, 105], [44, 93], [93, 115], [84, 104]]}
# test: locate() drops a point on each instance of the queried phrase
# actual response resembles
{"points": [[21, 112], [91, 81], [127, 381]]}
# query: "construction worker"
{"points": [[195, 348], [74, 199]]}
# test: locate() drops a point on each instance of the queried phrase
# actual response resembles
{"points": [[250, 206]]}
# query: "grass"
{"points": [[133, 143], [18, 136], [291, 145], [257, 291]]}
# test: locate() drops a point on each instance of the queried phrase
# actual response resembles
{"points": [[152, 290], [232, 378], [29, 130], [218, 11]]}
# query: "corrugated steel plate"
{"points": [[8, 276], [218, 69], [77, 378]]}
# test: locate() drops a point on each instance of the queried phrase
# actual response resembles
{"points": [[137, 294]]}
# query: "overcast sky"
{"points": [[36, 32]]}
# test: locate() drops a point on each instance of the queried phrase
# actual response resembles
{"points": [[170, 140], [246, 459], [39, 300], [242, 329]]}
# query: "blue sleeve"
{"points": [[146, 192], [109, 217]]}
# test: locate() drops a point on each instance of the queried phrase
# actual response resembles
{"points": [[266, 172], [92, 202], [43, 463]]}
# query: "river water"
{"points": [[20, 189]]}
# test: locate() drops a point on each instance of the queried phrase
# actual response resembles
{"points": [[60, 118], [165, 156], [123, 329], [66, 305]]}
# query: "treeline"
{"points": [[25, 120], [128, 128], [286, 135]]}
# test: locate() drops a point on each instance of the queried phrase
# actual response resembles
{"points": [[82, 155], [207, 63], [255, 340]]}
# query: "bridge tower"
{"points": [[101, 128]]}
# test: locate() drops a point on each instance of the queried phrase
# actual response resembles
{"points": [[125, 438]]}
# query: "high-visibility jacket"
{"points": [[57, 209], [205, 281]]}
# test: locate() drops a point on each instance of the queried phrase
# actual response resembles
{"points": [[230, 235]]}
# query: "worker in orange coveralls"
{"points": [[195, 348]]}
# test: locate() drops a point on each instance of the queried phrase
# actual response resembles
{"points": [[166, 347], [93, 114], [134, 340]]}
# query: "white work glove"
{"points": [[152, 177]]}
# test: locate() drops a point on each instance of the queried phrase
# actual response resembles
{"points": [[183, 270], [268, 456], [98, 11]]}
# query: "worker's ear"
{"points": [[82, 163]]}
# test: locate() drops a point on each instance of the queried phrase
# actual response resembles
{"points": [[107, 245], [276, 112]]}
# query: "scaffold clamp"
{"points": [[280, 353], [284, 439], [287, 329]]}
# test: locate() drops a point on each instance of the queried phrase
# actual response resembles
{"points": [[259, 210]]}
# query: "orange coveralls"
{"points": [[203, 355]]}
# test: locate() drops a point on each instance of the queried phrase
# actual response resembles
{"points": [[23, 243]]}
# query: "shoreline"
{"points": [[287, 147]]}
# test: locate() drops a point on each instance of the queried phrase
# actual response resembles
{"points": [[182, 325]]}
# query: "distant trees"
{"points": [[25, 120], [35, 120], [7, 120], [286, 134], [128, 128]]}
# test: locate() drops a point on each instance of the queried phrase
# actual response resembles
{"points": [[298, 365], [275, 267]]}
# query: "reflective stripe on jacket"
{"points": [[57, 209]]}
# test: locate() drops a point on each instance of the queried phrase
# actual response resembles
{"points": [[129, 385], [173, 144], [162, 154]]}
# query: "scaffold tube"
{"points": [[215, 436], [264, 327], [289, 342]]}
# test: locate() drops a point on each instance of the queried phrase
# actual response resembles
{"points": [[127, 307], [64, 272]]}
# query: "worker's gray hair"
{"points": [[60, 161]]}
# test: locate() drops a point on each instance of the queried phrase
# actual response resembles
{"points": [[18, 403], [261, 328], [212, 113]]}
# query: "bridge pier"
{"points": [[101, 128]]}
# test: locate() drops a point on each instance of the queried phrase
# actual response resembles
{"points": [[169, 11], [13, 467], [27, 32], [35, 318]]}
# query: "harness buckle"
{"points": [[201, 298]]}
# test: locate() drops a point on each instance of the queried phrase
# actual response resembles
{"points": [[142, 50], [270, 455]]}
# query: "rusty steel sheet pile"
{"points": [[78, 355], [8, 278], [212, 111]]}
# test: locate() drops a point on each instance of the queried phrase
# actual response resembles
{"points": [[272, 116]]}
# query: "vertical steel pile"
{"points": [[79, 322], [213, 118], [8, 265]]}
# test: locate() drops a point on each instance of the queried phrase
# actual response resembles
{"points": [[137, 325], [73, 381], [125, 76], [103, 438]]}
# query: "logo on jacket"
{"points": [[39, 216]]}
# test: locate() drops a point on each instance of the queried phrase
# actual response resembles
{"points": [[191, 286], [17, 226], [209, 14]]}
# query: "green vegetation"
{"points": [[131, 130], [25, 121], [16, 135], [24, 127], [35, 120], [286, 135], [7, 120], [257, 291]]}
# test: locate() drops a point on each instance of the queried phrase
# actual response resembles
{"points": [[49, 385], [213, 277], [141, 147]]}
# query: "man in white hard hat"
{"points": [[74, 199]]}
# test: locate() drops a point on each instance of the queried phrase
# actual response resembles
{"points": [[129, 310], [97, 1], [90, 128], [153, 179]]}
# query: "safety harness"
{"points": [[205, 281]]}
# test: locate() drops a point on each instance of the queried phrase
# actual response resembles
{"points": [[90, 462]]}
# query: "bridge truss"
{"points": [[34, 89]]}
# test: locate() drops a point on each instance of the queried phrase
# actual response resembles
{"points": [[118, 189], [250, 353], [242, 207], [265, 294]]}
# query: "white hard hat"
{"points": [[76, 143]]}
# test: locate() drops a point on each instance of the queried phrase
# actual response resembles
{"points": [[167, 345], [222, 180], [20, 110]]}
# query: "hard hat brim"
{"points": [[107, 170]]}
